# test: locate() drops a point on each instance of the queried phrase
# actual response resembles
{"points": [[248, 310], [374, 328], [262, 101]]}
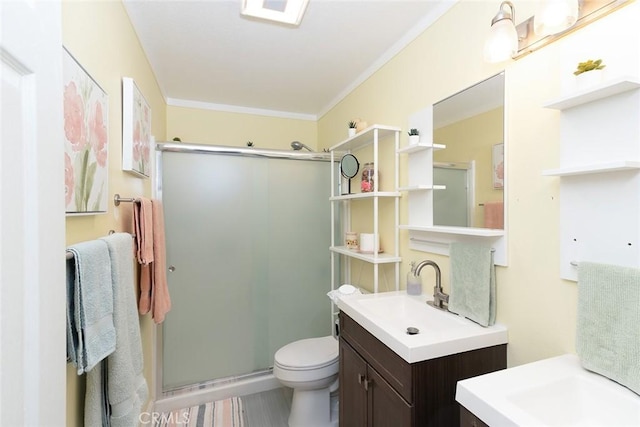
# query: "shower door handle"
{"points": [[171, 269]]}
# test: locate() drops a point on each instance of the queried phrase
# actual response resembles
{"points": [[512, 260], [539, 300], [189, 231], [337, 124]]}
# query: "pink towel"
{"points": [[494, 215], [160, 299], [143, 226]]}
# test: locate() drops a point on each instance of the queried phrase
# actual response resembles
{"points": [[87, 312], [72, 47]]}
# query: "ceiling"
{"points": [[206, 54]]}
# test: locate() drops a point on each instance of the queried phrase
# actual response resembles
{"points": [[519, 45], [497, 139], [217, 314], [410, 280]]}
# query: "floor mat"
{"points": [[221, 413]]}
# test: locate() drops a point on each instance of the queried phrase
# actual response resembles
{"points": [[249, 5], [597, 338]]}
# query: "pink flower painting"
{"points": [[136, 130], [498, 166], [86, 140]]}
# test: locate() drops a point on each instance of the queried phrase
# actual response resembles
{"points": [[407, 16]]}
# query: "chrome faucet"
{"points": [[440, 299]]}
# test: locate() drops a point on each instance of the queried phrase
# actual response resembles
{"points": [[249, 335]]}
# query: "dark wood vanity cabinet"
{"points": [[380, 389], [468, 419]]}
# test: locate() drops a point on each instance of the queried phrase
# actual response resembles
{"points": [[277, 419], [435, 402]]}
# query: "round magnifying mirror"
{"points": [[349, 167]]}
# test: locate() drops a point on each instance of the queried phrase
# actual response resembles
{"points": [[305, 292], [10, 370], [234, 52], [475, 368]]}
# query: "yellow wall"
{"points": [[537, 306], [235, 129], [100, 36]]}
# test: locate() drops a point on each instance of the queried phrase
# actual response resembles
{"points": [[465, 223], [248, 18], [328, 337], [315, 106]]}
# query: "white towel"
{"points": [[126, 389], [608, 327], [91, 335], [473, 282], [342, 291]]}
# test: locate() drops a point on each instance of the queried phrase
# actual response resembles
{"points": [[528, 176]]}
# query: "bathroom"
{"points": [[538, 307]]}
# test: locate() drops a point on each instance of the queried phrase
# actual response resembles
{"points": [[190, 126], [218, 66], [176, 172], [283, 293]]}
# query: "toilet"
{"points": [[310, 368]]}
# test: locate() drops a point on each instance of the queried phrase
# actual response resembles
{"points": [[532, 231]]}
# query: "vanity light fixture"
{"points": [[588, 11], [502, 42], [545, 27], [555, 16], [284, 11]]}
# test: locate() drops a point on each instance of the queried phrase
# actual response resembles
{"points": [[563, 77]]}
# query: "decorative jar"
{"points": [[369, 177]]}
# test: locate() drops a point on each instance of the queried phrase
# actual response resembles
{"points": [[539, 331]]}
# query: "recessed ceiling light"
{"points": [[285, 11]]}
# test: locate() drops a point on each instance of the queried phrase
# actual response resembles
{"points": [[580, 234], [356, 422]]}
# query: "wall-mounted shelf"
{"points": [[599, 150], [380, 258], [369, 195], [365, 137], [464, 231], [603, 90], [605, 167], [423, 188], [420, 147]]}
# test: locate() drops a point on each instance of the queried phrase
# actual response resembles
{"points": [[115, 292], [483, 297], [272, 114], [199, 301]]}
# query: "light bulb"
{"points": [[502, 42], [555, 16]]}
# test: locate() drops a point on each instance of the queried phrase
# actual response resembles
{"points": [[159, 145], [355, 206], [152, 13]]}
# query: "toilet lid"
{"points": [[308, 353]]}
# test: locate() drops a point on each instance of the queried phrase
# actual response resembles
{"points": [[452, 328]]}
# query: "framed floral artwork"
{"points": [[86, 139], [498, 166], [136, 130]]}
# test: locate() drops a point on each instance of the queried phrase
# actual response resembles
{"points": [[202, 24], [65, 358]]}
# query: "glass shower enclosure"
{"points": [[247, 248]]}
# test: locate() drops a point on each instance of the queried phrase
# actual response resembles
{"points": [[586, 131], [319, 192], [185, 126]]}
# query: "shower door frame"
{"points": [[163, 400]]}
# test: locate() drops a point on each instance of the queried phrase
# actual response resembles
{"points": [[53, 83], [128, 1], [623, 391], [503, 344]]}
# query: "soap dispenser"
{"points": [[414, 284]]}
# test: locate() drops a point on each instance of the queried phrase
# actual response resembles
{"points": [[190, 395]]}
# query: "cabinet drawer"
{"points": [[394, 369]]}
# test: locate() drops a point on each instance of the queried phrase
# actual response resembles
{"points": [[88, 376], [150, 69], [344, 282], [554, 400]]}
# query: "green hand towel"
{"points": [[473, 282], [608, 328]]}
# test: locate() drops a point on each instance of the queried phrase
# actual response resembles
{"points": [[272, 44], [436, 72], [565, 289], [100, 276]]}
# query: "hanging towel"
{"points": [[608, 327], [160, 299], [91, 335], [494, 215], [473, 282], [119, 380], [143, 226]]}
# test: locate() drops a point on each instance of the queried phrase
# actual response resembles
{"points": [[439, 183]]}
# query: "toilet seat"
{"points": [[308, 354]]}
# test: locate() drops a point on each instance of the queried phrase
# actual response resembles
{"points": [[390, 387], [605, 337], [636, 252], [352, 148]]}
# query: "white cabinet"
{"points": [[600, 175], [366, 146]]}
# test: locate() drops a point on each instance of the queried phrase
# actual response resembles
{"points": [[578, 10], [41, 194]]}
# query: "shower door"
{"points": [[452, 206], [249, 240]]}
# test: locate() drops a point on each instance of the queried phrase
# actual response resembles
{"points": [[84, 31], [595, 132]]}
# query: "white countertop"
{"points": [[387, 315], [550, 392]]}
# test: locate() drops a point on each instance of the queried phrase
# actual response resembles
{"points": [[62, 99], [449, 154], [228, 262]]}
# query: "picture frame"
{"points": [[498, 166], [86, 140], [136, 130]]}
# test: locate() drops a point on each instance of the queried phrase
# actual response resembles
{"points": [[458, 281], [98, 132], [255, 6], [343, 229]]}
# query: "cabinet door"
{"points": [[468, 419], [353, 396], [386, 406]]}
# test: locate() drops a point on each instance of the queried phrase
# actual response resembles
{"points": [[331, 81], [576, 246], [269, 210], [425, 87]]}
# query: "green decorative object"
{"points": [[589, 65]]}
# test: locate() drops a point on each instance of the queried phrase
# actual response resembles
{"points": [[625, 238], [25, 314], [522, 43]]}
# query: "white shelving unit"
{"points": [[423, 235], [372, 137], [600, 175]]}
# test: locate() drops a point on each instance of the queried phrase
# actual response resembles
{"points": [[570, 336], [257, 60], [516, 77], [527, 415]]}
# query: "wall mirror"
{"points": [[471, 125]]}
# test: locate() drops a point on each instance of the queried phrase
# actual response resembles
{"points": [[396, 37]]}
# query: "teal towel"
{"points": [[119, 385], [473, 282], [608, 328], [91, 334]]}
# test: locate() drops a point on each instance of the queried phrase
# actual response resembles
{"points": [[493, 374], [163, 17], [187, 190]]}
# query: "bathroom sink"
{"points": [[551, 392], [387, 316]]}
